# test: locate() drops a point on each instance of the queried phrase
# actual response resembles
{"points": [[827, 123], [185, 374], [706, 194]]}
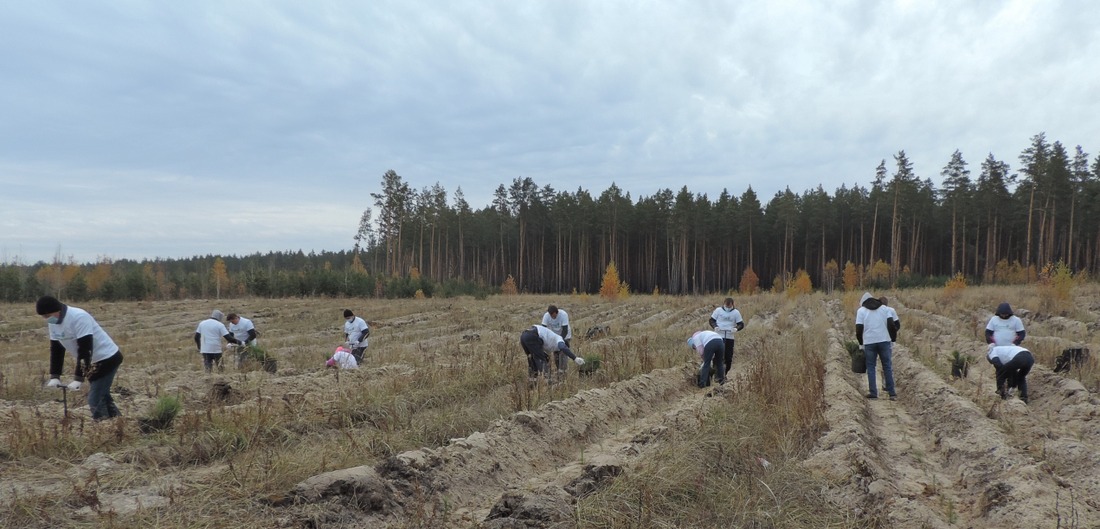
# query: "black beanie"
{"points": [[48, 305], [348, 313]]}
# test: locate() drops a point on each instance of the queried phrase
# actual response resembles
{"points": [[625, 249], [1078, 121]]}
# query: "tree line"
{"points": [[991, 224]]}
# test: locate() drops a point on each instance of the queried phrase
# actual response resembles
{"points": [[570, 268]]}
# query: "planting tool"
{"points": [[65, 401]]}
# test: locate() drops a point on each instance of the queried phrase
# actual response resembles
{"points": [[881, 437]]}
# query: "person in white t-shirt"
{"points": [[727, 321], [1013, 363], [342, 359], [1005, 328], [875, 332], [537, 342], [245, 333], [893, 314], [97, 356], [557, 320], [711, 349], [208, 339], [356, 332]]}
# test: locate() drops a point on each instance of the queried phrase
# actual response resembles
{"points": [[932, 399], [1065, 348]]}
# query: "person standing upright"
{"points": [[1005, 328], [727, 321], [875, 332], [557, 320], [356, 332], [208, 339], [97, 356]]}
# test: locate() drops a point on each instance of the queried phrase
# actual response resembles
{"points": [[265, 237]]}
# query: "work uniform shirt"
{"points": [[77, 323], [727, 321], [1004, 352], [557, 324], [699, 340], [211, 332], [356, 330], [345, 360], [874, 324], [1004, 330], [551, 341], [241, 328]]}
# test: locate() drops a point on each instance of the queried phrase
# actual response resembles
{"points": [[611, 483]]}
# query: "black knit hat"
{"points": [[48, 305], [348, 313]]}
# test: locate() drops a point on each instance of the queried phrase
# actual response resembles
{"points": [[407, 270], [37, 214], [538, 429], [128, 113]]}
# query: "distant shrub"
{"points": [[954, 287], [750, 283], [800, 285], [1055, 287], [509, 287]]}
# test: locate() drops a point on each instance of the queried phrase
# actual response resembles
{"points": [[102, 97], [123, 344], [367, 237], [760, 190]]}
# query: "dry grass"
{"points": [[422, 385]]}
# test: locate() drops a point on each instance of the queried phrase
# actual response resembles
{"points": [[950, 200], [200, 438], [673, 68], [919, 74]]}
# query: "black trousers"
{"points": [[1014, 373], [537, 360]]}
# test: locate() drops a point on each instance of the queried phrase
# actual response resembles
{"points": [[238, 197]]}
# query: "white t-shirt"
{"points": [[1004, 331], [1004, 352], [874, 324], [890, 310], [556, 324], [356, 329], [699, 340], [727, 321], [551, 341], [241, 328], [345, 360], [78, 323], [210, 332]]}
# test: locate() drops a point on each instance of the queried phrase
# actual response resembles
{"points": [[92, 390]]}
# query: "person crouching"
{"points": [[711, 348], [538, 342], [1013, 363]]}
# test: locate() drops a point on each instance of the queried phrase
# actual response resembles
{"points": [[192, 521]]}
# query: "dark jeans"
{"points": [[211, 359], [713, 352], [99, 393], [1014, 374], [729, 353], [537, 360], [871, 353], [358, 354]]}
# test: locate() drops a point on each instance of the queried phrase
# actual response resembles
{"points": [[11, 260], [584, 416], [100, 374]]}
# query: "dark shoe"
{"points": [[1023, 398], [893, 397], [870, 396]]}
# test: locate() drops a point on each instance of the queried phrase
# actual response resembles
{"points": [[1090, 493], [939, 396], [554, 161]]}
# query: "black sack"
{"points": [[859, 365]]}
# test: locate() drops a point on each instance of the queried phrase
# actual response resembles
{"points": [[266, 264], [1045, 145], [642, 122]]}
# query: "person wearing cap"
{"points": [[538, 341], [356, 332], [712, 349], [1012, 363], [342, 359], [208, 340], [726, 321], [1004, 328], [557, 320], [97, 356], [875, 332]]}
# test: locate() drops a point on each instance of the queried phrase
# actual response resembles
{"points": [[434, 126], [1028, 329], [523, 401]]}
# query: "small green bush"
{"points": [[591, 364], [166, 409]]}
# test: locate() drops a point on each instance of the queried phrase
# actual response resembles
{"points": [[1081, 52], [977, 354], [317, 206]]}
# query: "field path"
{"points": [[933, 458], [527, 467]]}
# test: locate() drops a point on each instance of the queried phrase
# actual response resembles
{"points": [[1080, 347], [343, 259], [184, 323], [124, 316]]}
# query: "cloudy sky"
{"points": [[139, 129]]}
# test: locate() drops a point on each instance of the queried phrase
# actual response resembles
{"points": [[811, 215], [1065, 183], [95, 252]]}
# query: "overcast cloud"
{"points": [[136, 129]]}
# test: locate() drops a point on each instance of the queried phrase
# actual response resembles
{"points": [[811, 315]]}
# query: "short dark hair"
{"points": [[231, 316], [552, 309], [348, 313]]}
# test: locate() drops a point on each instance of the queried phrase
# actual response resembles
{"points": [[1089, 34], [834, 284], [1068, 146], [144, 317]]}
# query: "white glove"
{"points": [[579, 361], [54, 383], [74, 385], [860, 347]]}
